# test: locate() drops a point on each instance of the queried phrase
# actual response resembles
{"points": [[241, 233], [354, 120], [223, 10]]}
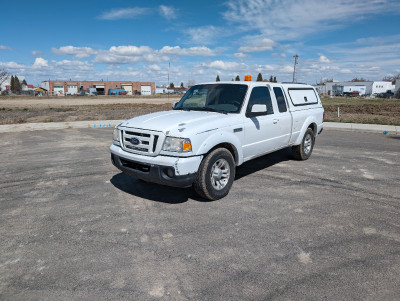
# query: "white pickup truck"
{"points": [[214, 128]]}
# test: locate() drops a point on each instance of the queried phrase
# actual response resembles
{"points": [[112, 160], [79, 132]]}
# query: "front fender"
{"points": [[214, 139]]}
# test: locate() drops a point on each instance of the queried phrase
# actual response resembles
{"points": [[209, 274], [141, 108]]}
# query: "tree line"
{"points": [[16, 84], [272, 79]]}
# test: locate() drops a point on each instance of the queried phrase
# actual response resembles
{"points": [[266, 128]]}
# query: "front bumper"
{"points": [[170, 171]]}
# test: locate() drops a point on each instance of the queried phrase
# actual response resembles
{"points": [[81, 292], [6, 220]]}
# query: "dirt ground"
{"points": [[56, 102], [364, 113], [57, 109]]}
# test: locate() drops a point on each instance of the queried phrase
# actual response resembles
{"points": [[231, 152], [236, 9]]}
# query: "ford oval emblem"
{"points": [[135, 141]]}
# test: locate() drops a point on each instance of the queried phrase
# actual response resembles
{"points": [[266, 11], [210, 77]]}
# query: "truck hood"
{"points": [[181, 123]]}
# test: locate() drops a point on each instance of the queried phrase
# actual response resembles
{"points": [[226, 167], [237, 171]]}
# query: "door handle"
{"points": [[275, 121]]}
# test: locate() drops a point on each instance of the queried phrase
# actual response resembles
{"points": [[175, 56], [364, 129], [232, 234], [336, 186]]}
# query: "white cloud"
{"points": [[205, 35], [154, 67], [2, 47], [282, 55], [287, 69], [124, 13], [371, 57], [40, 63], [72, 65], [323, 59], [288, 20], [79, 52], [129, 55], [134, 54], [109, 58], [130, 50], [258, 46], [113, 67], [221, 65], [168, 12], [192, 51], [240, 55], [37, 54], [326, 68], [264, 68], [11, 65]]}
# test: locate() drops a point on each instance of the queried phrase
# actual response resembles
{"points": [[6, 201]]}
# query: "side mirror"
{"points": [[257, 110], [174, 104]]}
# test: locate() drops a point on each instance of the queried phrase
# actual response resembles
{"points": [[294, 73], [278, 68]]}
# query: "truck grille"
{"points": [[143, 142]]}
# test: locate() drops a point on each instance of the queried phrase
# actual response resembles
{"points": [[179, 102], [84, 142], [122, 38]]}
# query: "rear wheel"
{"points": [[216, 174], [304, 150]]}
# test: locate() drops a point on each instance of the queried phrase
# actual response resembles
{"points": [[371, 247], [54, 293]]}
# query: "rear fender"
{"points": [[311, 121]]}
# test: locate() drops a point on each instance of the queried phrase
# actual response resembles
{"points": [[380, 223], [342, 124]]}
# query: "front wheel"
{"points": [[216, 174], [304, 150]]}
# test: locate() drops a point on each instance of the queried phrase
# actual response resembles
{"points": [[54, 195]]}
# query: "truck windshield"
{"points": [[224, 98]]}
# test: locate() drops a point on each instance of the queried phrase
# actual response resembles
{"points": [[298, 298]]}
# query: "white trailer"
{"points": [[354, 90], [382, 87]]}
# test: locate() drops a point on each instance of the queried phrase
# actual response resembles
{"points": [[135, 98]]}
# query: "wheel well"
{"points": [[230, 148], [313, 126]]}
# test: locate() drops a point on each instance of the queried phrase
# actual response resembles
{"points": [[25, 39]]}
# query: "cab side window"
{"points": [[280, 99], [260, 96]]}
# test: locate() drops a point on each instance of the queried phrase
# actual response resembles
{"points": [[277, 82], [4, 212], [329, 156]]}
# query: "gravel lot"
{"points": [[73, 227]]}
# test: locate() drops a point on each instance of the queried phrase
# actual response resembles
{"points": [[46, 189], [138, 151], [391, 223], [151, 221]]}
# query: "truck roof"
{"points": [[253, 84]]}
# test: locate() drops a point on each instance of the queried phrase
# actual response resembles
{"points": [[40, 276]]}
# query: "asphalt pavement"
{"points": [[73, 227]]}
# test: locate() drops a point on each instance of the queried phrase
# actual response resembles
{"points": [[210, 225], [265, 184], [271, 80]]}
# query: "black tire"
{"points": [[216, 174], [304, 150]]}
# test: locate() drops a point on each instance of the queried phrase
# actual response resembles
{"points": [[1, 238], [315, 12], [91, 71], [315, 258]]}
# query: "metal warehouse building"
{"points": [[61, 87]]}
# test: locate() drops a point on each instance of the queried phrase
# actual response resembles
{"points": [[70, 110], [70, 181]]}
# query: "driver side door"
{"points": [[262, 132]]}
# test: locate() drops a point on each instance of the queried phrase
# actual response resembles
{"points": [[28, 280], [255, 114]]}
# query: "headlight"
{"points": [[116, 136], [179, 145]]}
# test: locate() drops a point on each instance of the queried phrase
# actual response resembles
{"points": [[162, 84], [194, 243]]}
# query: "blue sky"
{"points": [[137, 40]]}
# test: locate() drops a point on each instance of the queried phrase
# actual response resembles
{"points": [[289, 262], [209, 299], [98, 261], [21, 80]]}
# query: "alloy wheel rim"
{"points": [[307, 144], [220, 173]]}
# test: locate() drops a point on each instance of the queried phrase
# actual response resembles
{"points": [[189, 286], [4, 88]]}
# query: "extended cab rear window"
{"points": [[303, 96], [280, 99]]}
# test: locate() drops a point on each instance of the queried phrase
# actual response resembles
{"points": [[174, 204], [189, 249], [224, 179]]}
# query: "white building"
{"points": [[164, 90], [370, 87]]}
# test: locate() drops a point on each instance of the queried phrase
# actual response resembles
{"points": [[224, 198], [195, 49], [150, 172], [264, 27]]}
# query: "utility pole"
{"points": [[296, 59], [169, 65]]}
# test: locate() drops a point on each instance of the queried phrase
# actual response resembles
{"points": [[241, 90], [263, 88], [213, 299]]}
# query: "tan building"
{"points": [[62, 87]]}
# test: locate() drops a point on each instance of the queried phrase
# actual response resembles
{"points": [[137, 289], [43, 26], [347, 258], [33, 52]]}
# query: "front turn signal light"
{"points": [[186, 146]]}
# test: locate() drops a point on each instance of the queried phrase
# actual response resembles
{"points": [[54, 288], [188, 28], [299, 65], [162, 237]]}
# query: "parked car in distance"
{"points": [[387, 94]]}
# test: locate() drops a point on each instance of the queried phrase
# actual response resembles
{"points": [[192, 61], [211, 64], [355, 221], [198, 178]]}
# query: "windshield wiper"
{"points": [[208, 109]]}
